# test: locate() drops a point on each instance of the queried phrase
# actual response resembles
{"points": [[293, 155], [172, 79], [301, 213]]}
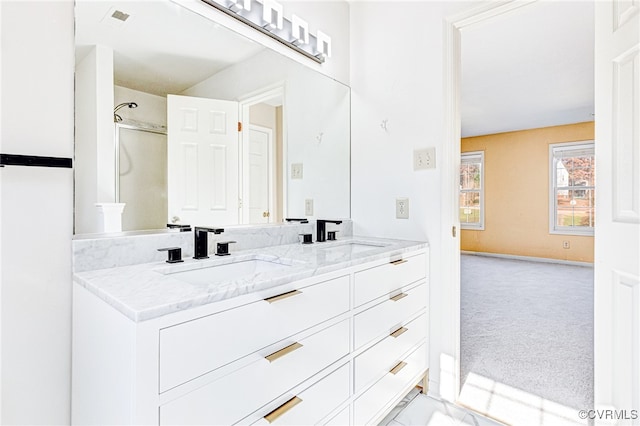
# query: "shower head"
{"points": [[117, 117]]}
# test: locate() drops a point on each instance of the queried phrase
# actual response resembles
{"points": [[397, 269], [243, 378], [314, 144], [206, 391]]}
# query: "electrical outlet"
{"points": [[566, 245], [402, 208], [308, 207], [424, 159], [296, 171]]}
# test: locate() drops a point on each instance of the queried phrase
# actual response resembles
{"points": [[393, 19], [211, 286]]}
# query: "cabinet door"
{"points": [[388, 278], [226, 400], [388, 316], [313, 404], [378, 359], [377, 400], [196, 347]]}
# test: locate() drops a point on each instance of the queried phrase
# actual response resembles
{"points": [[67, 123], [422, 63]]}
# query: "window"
{"points": [[572, 192], [471, 190]]}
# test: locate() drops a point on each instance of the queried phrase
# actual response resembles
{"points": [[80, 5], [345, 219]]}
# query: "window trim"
{"points": [[564, 230], [480, 225]]}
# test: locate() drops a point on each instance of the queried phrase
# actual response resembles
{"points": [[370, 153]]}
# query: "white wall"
{"points": [[396, 75], [36, 219]]}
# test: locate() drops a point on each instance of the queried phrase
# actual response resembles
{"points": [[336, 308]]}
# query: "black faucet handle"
{"points": [[182, 228], [222, 248], [331, 235], [291, 219], [174, 254], [307, 238]]}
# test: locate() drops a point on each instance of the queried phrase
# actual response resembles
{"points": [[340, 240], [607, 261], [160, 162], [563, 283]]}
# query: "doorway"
{"points": [[263, 187], [455, 26]]}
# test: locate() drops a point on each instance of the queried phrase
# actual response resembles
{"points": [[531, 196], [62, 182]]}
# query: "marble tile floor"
{"points": [[417, 409]]}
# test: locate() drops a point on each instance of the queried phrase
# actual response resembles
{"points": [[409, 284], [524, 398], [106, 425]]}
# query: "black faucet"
{"points": [[321, 226], [201, 242]]}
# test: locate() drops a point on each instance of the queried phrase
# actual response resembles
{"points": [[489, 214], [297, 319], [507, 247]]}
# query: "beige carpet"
{"points": [[526, 336]]}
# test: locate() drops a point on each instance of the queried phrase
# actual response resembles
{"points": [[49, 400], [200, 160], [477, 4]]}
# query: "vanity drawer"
{"points": [[387, 316], [341, 419], [372, 363], [191, 349], [312, 404], [233, 397], [367, 408], [385, 279]]}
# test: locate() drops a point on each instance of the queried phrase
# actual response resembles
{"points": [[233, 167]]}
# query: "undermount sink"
{"points": [[351, 247], [235, 269]]}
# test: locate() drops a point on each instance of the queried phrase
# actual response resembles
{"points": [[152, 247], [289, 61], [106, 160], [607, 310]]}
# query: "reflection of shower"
{"points": [[116, 117]]}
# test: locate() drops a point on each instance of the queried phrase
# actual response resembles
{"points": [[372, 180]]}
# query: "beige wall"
{"points": [[517, 195]]}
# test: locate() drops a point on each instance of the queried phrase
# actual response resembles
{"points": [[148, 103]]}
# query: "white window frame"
{"points": [[553, 200], [474, 155]]}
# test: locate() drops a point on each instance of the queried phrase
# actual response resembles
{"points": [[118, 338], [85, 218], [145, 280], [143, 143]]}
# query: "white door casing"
{"points": [[258, 175], [617, 230], [202, 163], [448, 386]]}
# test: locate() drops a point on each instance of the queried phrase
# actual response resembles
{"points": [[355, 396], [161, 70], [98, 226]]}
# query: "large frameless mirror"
{"points": [[160, 95]]}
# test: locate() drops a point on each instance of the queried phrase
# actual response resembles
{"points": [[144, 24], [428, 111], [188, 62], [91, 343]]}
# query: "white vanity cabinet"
{"points": [[342, 347]]}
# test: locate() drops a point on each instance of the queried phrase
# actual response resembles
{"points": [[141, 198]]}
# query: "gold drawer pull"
{"points": [[398, 297], [286, 295], [399, 262], [397, 368], [282, 352], [399, 332], [273, 416]]}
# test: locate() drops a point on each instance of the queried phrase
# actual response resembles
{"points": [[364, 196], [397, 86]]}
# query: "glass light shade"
{"points": [[242, 4], [299, 29], [272, 14], [323, 44]]}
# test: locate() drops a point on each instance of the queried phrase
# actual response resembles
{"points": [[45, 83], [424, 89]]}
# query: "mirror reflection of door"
{"points": [[262, 178], [259, 167], [202, 161]]}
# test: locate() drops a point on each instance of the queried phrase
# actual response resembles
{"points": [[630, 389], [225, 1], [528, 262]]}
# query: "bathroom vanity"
{"points": [[326, 333]]}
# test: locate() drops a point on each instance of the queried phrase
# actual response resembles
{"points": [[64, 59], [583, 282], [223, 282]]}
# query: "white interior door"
{"points": [[258, 176], [617, 230], [202, 160]]}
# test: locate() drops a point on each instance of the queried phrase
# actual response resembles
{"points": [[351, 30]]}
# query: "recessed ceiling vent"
{"points": [[119, 15], [114, 18]]}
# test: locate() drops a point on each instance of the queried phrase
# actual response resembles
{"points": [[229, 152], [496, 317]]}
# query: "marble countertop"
{"points": [[150, 290]]}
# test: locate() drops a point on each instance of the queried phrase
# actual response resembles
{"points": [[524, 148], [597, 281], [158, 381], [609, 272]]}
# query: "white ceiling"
{"points": [[530, 68], [162, 47]]}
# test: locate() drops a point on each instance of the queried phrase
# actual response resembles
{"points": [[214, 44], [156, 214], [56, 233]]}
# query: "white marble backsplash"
{"points": [[111, 251]]}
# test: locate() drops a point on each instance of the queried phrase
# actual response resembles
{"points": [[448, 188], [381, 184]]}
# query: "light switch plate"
{"points": [[402, 208], [424, 159], [308, 207], [296, 170]]}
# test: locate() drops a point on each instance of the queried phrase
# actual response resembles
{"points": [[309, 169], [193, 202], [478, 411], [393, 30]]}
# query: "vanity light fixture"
{"points": [[242, 4], [272, 14], [299, 30], [323, 44], [267, 17]]}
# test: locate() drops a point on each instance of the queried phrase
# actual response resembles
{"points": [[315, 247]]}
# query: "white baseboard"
{"points": [[529, 258]]}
